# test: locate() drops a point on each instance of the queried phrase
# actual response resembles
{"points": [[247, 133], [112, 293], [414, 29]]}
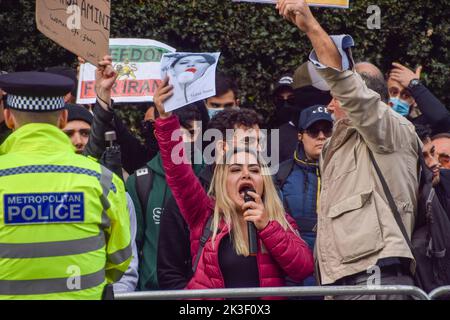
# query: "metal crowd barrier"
{"points": [[412, 291]]}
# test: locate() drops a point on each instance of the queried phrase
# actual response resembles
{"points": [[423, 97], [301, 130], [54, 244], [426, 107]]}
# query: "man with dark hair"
{"points": [[408, 92], [226, 95], [284, 100], [429, 152], [430, 239], [174, 253], [442, 144], [236, 119], [78, 126]]}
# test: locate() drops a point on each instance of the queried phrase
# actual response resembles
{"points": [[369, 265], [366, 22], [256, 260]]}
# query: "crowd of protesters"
{"points": [[358, 154]]}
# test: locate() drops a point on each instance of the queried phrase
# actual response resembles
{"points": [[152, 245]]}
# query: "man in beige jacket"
{"points": [[358, 239]]}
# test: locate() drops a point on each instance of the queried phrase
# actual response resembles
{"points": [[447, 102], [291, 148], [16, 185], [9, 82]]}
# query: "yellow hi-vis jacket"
{"points": [[64, 224]]}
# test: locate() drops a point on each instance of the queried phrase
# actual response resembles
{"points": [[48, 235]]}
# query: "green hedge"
{"points": [[257, 45]]}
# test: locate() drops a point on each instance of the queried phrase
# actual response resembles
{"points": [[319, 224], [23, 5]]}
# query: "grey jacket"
{"points": [[356, 227]]}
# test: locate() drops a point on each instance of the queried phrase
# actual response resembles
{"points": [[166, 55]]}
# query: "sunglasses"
{"points": [[314, 132]]}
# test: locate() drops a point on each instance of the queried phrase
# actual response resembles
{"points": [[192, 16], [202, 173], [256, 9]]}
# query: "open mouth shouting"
{"points": [[244, 187]]}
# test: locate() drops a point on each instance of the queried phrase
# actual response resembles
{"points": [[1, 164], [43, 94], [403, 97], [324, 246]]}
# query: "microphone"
{"points": [[252, 239]]}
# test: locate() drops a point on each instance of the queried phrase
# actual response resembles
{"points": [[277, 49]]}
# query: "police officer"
{"points": [[64, 224]]}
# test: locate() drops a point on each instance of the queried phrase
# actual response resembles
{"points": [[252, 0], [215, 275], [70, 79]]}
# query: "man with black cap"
{"points": [[65, 232], [298, 179], [78, 126], [284, 101]]}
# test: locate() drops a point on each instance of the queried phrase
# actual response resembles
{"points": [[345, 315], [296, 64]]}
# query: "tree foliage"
{"points": [[257, 45]]}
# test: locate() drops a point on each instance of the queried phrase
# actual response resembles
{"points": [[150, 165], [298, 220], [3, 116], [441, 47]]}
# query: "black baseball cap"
{"points": [[285, 81]]}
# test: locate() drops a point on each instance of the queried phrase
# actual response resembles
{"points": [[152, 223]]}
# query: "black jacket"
{"points": [[431, 239], [443, 190], [134, 154], [174, 246], [288, 142], [434, 112]]}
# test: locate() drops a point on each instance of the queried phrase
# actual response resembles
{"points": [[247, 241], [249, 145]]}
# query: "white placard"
{"points": [[138, 62], [193, 76]]}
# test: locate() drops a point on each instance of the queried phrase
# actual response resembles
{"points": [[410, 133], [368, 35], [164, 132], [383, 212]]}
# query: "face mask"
{"points": [[286, 112], [400, 106], [213, 112]]}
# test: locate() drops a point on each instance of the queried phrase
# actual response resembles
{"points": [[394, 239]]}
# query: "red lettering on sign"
{"points": [[123, 88]]}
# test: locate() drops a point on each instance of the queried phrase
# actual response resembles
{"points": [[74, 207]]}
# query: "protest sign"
{"points": [[82, 27], [138, 63], [193, 76], [315, 3]]}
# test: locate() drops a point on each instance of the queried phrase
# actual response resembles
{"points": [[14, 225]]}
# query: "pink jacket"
{"points": [[281, 252]]}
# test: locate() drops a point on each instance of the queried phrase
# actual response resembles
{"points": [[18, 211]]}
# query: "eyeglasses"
{"points": [[315, 131]]}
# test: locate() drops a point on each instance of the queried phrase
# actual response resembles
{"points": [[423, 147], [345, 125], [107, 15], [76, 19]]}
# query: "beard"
{"points": [[435, 181]]}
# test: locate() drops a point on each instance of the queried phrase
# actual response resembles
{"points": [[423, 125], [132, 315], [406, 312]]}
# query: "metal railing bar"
{"points": [[274, 292]]}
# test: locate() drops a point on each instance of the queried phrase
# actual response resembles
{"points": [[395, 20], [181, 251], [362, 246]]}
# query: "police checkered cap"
{"points": [[35, 91], [37, 104]]}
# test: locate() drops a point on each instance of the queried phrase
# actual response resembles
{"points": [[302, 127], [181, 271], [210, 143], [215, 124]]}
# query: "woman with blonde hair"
{"points": [[224, 261]]}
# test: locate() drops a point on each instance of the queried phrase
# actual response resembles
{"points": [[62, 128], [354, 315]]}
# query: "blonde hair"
{"points": [[225, 208]]}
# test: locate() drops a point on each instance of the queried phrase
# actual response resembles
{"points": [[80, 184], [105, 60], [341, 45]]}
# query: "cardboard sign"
{"points": [[138, 62], [315, 3], [82, 27], [193, 76]]}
